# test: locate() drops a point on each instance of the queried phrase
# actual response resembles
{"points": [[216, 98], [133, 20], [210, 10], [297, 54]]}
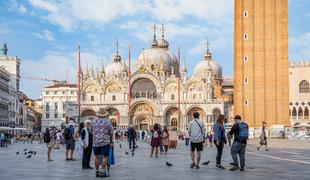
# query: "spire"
{"points": [[184, 68], [92, 71], [207, 54], [117, 57], [102, 68], [154, 42], [162, 31], [5, 49], [86, 71], [97, 74]]}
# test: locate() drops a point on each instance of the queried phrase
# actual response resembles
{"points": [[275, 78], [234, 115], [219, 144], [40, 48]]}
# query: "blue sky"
{"points": [[45, 34]]}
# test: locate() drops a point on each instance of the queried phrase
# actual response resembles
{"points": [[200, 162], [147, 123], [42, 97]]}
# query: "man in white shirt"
{"points": [[196, 132]]}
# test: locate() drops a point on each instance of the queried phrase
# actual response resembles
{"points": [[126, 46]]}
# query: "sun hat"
{"points": [[102, 113]]}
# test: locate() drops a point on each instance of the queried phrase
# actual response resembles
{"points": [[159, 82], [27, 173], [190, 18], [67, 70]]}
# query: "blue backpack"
{"points": [[243, 132]]}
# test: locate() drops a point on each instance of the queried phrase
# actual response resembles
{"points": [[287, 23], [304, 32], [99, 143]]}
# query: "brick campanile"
{"points": [[261, 86]]}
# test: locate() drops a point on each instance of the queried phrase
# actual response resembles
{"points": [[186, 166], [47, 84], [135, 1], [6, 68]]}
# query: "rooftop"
{"points": [[59, 85]]}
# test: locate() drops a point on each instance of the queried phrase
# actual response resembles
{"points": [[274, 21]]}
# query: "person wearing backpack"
{"points": [[219, 139], [49, 139], [155, 140], [240, 131], [196, 131]]}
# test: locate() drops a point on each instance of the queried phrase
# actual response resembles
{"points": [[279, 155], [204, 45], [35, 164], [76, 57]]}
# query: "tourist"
{"points": [[186, 137], [87, 144], [240, 131], [165, 140], [102, 141], [132, 135], [58, 139], [142, 135], [70, 142], [80, 148], [263, 137], [196, 132], [219, 139], [2, 139], [210, 138], [49, 139], [29, 138], [155, 139]]}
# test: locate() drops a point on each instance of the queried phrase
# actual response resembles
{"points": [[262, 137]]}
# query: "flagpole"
{"points": [[179, 88], [129, 86], [79, 86]]}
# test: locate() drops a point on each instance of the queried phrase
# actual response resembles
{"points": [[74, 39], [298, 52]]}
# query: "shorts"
{"points": [[102, 150], [70, 144], [197, 146]]}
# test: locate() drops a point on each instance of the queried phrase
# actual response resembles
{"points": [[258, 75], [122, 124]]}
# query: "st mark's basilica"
{"points": [[154, 84]]}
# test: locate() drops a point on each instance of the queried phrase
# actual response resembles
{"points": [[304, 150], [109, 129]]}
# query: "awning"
{"points": [[5, 128]]}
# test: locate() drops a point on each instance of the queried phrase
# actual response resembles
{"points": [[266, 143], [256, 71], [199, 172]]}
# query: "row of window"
{"points": [[47, 115], [57, 92], [302, 113], [47, 106]]}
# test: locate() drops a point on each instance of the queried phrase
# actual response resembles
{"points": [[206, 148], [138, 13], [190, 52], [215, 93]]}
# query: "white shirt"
{"points": [[195, 132]]}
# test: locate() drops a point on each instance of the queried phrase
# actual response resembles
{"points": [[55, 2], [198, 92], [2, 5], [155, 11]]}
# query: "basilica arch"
{"points": [[171, 116], [142, 115], [191, 110], [87, 113], [144, 88], [114, 116]]}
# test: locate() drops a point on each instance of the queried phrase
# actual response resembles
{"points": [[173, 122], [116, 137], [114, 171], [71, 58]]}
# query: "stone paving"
{"points": [[286, 159]]}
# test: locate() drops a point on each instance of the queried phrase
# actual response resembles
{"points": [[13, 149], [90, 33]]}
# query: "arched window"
{"points": [[300, 114], [306, 113], [304, 87], [174, 122], [294, 113], [113, 98]]}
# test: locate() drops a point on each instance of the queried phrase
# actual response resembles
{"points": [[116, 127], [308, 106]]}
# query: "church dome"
{"points": [[163, 43], [154, 58], [206, 65], [116, 68]]}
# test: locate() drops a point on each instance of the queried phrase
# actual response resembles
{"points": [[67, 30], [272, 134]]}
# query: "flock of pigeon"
{"points": [[167, 163], [27, 154]]}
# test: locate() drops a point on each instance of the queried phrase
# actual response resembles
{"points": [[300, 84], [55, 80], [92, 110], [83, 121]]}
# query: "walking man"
{"points": [[240, 131], [132, 135], [70, 142], [263, 138], [102, 141], [196, 131]]}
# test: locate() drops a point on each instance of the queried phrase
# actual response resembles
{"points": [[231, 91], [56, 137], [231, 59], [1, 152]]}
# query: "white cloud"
{"points": [[4, 30], [77, 13], [45, 35], [22, 9], [299, 47], [54, 66]]}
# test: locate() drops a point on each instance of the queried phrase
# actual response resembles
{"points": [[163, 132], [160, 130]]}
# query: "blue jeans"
{"points": [[238, 149], [132, 141]]}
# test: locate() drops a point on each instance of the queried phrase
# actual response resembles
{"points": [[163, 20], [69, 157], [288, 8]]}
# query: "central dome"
{"points": [[117, 68]]}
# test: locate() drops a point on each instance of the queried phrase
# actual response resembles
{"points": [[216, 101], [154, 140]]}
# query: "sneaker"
{"points": [[242, 169], [219, 166], [193, 165], [233, 164], [197, 167], [97, 174], [234, 168]]}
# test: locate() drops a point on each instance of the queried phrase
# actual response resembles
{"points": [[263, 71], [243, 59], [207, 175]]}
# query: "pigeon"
{"points": [[120, 146], [25, 149], [29, 152], [34, 153], [132, 150], [206, 163], [17, 152], [25, 153], [29, 156], [168, 164], [126, 153], [132, 154]]}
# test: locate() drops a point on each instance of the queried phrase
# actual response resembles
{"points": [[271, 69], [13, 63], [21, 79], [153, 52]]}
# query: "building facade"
{"points": [[150, 92], [4, 98], [12, 65], [261, 90], [57, 107], [299, 76]]}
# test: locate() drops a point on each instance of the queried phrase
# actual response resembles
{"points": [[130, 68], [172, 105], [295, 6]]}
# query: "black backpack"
{"points": [[67, 134], [46, 137]]}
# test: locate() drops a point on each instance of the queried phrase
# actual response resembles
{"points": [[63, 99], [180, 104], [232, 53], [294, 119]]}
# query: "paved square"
{"points": [[287, 159]]}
